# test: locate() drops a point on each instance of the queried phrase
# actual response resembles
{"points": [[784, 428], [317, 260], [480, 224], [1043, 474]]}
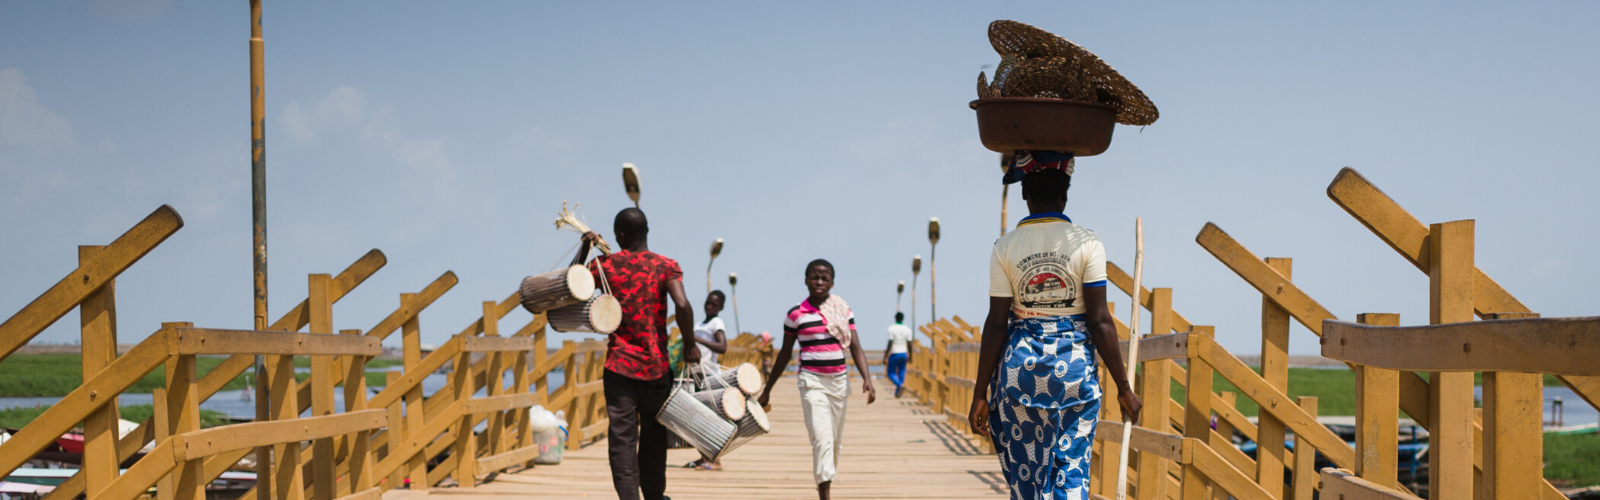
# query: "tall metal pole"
{"points": [[258, 231]]}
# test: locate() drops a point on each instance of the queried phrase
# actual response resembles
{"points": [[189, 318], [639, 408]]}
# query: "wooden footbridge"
{"points": [[457, 442]]}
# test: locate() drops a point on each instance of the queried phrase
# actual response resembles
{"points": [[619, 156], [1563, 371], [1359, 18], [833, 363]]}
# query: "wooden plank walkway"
{"points": [[892, 449]]}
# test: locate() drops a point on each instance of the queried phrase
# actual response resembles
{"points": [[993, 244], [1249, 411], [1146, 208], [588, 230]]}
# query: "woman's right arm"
{"points": [[994, 344]]}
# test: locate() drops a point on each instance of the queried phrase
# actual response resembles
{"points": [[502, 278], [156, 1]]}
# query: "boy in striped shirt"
{"points": [[825, 328]]}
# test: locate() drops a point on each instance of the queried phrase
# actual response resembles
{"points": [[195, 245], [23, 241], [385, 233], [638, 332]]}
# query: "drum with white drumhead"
{"points": [[744, 377], [753, 425], [601, 314], [696, 423], [557, 288]]}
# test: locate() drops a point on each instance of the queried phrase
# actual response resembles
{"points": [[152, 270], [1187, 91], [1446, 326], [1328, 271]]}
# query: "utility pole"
{"points": [[258, 231]]}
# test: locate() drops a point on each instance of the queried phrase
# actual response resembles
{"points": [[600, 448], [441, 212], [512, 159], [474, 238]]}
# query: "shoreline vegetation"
{"points": [[56, 375], [19, 417]]}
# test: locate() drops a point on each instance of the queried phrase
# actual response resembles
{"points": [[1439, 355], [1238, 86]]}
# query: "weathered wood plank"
{"points": [[501, 461], [499, 403], [251, 342], [216, 440], [90, 276], [1154, 347], [1340, 484], [495, 344], [1544, 345]]}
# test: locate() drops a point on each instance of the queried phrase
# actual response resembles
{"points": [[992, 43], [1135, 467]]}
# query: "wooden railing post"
{"points": [[465, 451], [1225, 429], [1196, 415], [1513, 434], [355, 399], [1377, 415], [519, 369], [98, 322], [494, 378], [541, 355], [416, 468], [1270, 451], [570, 380], [182, 400], [398, 431], [1305, 457], [1156, 391], [1450, 282], [323, 463]]}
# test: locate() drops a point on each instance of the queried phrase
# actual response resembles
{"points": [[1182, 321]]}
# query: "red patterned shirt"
{"points": [[638, 349]]}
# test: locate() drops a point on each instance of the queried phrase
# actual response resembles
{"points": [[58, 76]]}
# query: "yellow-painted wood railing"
{"points": [[373, 443]]}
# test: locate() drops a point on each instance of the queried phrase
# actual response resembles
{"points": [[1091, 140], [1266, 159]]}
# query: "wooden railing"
{"points": [[1184, 446], [373, 443]]}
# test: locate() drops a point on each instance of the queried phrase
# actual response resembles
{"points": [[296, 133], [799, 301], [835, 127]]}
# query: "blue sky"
{"points": [[449, 134]]}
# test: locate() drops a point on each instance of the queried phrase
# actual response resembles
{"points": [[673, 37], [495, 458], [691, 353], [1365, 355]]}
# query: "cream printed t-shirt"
{"points": [[1044, 265]]}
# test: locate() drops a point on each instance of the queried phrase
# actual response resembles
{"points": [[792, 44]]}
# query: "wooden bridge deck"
{"points": [[892, 449]]}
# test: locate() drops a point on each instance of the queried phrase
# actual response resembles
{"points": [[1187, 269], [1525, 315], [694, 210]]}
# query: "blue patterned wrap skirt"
{"points": [[1044, 403]]}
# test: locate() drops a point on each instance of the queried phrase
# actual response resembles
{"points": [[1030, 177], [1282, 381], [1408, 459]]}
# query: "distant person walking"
{"points": [[1047, 318], [637, 379], [898, 353], [825, 328]]}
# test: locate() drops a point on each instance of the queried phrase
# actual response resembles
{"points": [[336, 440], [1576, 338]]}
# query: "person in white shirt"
{"points": [[709, 334], [711, 339], [898, 353]]}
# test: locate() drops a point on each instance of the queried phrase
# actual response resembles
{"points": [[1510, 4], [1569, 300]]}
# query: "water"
{"points": [[232, 404], [1575, 411]]}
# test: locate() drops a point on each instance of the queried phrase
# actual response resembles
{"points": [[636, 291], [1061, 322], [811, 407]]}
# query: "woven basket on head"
{"points": [[1037, 63]]}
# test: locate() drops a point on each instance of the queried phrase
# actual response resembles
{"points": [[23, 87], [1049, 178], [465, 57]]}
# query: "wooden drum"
{"points": [[744, 377], [726, 402], [696, 423], [600, 314], [753, 425], [561, 287]]}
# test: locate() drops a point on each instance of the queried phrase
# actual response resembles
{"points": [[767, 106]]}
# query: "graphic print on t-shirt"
{"points": [[1046, 283]]}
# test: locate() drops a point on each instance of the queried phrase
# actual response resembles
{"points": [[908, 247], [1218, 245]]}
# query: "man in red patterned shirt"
{"points": [[637, 379]]}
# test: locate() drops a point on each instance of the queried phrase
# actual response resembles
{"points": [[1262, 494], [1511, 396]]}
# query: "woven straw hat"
{"points": [[1037, 63]]}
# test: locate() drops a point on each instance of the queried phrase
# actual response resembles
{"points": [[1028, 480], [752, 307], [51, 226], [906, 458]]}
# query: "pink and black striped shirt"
{"points": [[819, 351]]}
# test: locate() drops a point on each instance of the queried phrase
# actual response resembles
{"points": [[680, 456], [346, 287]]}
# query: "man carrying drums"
{"points": [[637, 379]]}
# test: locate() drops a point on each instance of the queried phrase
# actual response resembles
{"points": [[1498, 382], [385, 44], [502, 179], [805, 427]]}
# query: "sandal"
{"points": [[695, 464]]}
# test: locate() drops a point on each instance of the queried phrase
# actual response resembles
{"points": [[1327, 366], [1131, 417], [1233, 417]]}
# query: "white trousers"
{"points": [[823, 398]]}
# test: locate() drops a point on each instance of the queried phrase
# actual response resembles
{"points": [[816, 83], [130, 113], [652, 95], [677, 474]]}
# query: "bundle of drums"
{"points": [[715, 410], [571, 302]]}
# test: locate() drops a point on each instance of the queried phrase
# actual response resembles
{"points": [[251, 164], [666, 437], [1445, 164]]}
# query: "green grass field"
{"points": [[34, 375], [1572, 461], [16, 418], [1335, 390]]}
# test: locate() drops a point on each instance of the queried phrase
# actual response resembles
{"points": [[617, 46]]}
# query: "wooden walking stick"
{"points": [[1133, 350]]}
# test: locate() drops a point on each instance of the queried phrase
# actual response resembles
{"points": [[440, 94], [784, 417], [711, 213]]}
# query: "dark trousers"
{"points": [[637, 442]]}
